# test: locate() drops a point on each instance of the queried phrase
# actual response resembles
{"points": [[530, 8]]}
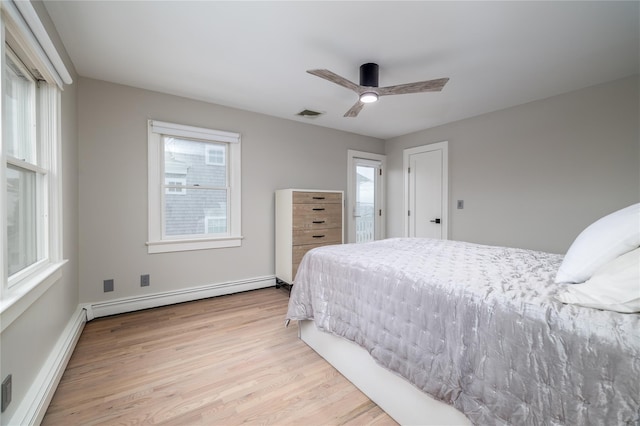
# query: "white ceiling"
{"points": [[253, 55]]}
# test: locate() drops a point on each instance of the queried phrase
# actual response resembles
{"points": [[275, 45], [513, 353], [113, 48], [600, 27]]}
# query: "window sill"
{"points": [[18, 299], [188, 245]]}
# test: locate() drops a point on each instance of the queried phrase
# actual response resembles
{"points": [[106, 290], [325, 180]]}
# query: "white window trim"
{"points": [[28, 285], [156, 243], [23, 21]]}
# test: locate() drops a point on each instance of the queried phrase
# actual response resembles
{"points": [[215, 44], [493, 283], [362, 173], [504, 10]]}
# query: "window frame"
{"points": [[22, 34], [157, 241], [36, 165]]}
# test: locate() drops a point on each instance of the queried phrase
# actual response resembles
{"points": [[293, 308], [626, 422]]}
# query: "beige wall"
{"points": [[535, 175], [276, 154], [28, 341]]}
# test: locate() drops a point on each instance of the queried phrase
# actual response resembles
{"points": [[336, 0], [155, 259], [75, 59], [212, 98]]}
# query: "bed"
{"points": [[448, 332]]}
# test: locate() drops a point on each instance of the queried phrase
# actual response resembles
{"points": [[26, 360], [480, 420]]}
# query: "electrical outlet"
{"points": [[108, 285], [144, 280], [6, 393], [461, 204]]}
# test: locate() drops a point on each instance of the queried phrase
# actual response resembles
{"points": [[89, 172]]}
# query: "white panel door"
{"points": [[426, 193]]}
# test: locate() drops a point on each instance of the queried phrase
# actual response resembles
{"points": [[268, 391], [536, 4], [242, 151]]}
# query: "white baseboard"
{"points": [[34, 405], [136, 303]]}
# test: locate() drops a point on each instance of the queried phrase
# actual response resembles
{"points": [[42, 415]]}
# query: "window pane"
{"points": [[200, 163], [21, 219], [189, 213], [365, 203], [19, 119]]}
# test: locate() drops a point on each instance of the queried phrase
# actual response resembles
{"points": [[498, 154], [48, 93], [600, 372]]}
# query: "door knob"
{"points": [[435, 220]]}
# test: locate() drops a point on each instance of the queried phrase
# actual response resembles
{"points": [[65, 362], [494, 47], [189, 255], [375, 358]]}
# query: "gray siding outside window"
{"points": [[186, 209]]}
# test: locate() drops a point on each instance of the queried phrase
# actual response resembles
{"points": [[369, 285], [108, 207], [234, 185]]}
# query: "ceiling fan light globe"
{"points": [[368, 97]]}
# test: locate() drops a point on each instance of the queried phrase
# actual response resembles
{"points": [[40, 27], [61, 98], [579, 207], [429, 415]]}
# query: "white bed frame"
{"points": [[405, 403]]}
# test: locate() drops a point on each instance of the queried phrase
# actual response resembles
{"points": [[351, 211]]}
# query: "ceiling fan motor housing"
{"points": [[369, 75]]}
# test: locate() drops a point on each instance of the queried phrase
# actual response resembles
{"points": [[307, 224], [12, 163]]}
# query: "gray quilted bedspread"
{"points": [[476, 327]]}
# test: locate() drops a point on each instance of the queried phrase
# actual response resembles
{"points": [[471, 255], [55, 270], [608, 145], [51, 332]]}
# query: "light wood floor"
{"points": [[221, 361]]}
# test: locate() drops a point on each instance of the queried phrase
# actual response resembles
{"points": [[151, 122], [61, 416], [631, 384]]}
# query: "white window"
{"points": [[175, 185], [26, 174], [194, 188], [215, 225], [30, 199], [215, 155]]}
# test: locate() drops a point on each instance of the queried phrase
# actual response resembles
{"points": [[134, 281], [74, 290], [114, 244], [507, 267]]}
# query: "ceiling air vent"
{"points": [[309, 113]]}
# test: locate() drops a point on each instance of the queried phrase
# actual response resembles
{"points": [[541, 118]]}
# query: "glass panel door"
{"points": [[366, 207], [364, 211]]}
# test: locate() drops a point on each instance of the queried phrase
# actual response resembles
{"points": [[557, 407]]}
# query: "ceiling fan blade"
{"points": [[335, 78], [418, 87], [355, 109]]}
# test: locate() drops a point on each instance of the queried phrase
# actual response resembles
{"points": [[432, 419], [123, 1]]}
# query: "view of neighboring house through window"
{"points": [[194, 188]]}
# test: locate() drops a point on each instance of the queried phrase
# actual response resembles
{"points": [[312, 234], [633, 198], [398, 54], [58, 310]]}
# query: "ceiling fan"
{"points": [[368, 90]]}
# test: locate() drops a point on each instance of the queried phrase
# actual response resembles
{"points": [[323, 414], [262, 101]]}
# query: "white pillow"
{"points": [[614, 287], [601, 242]]}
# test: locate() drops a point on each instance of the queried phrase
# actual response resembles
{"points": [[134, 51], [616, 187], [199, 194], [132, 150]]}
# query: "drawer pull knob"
{"points": [[318, 198], [318, 209], [318, 221], [318, 236]]}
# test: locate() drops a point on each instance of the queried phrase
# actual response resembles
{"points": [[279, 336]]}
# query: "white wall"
{"points": [[276, 154], [533, 176], [29, 340]]}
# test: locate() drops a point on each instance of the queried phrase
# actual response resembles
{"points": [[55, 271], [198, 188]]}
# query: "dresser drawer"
{"points": [[317, 236], [316, 216], [317, 197]]}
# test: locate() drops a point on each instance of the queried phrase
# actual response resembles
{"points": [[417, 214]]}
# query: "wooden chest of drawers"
{"points": [[305, 219]]}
